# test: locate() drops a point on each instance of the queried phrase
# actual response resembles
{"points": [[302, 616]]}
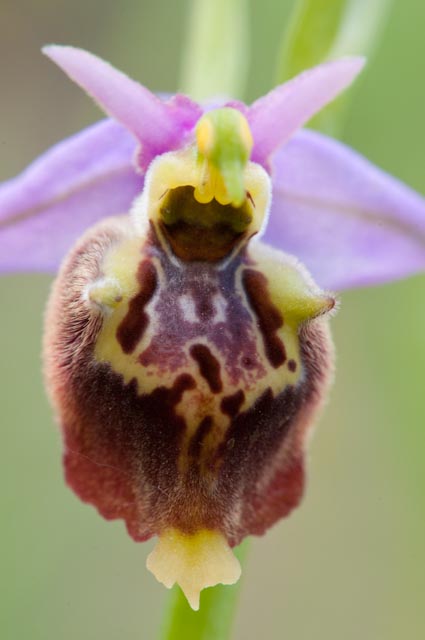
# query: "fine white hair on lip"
{"points": [[269, 206], [139, 213]]}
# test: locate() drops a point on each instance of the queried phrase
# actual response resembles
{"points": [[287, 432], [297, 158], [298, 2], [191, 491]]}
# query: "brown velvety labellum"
{"points": [[208, 430]]}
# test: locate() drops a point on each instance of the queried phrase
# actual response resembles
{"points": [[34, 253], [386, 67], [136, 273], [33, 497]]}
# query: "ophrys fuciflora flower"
{"points": [[185, 357]]}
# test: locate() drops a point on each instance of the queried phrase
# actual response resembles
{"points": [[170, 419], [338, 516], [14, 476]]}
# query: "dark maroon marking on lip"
{"points": [[269, 317], [184, 382], [209, 366], [230, 405], [132, 327], [292, 365], [197, 440], [248, 363]]}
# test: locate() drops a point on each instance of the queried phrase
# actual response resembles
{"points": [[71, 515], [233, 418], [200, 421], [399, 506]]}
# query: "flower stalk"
{"points": [[215, 59]]}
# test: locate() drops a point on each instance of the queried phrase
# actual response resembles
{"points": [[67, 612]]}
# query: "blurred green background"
{"points": [[350, 563]]}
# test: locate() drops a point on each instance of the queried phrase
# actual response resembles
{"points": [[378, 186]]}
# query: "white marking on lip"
{"points": [[219, 304], [188, 308]]}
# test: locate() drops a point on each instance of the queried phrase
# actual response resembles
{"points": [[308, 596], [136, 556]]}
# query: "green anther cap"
{"points": [[224, 143]]}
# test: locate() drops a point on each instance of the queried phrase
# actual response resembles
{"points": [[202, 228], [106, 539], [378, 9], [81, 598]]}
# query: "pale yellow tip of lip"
{"points": [[194, 562]]}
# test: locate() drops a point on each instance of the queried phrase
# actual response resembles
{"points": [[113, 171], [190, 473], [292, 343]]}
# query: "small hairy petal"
{"points": [[349, 222], [73, 185], [277, 115], [158, 126]]}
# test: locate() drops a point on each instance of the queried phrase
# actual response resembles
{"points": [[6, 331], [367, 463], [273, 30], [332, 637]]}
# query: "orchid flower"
{"points": [[187, 347]]}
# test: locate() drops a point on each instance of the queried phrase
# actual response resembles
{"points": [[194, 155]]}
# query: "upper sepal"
{"points": [[157, 125], [275, 117]]}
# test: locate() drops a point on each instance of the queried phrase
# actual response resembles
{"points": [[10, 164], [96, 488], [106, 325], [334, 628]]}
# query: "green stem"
{"points": [[215, 59], [215, 617]]}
